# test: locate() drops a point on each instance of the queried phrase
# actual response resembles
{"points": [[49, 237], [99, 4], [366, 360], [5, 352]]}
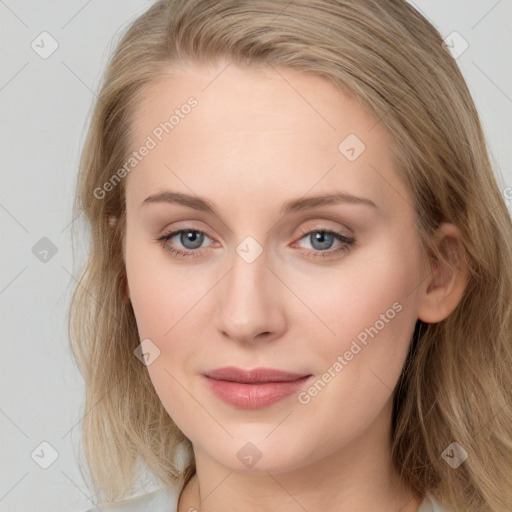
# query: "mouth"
{"points": [[256, 388]]}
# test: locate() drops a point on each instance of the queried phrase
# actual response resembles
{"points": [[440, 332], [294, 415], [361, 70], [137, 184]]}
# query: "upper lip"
{"points": [[234, 374]]}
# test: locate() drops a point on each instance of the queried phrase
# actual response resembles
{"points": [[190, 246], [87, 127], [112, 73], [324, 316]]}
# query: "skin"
{"points": [[257, 139]]}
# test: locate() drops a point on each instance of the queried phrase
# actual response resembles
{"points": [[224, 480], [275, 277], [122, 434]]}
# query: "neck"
{"points": [[355, 477]]}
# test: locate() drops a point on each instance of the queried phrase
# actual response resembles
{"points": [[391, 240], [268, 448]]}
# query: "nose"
{"points": [[250, 306]]}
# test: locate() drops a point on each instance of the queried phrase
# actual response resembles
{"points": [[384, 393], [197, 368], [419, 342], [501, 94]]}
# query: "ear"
{"points": [[447, 280]]}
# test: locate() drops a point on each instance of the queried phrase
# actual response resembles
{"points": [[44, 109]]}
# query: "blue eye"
{"points": [[322, 240], [186, 237], [191, 240]]}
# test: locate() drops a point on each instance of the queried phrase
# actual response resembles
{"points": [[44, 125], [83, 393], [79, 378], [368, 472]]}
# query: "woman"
{"points": [[296, 240]]}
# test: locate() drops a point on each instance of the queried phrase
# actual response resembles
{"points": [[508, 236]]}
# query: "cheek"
{"points": [[162, 293], [371, 306], [368, 306], [166, 304]]}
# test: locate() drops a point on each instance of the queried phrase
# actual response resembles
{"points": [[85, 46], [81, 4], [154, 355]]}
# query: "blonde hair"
{"points": [[457, 381]]}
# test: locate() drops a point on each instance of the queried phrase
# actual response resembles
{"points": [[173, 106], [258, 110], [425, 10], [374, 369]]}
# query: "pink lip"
{"points": [[253, 389]]}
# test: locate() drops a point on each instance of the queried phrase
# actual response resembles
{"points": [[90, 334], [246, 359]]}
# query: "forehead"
{"points": [[224, 130]]}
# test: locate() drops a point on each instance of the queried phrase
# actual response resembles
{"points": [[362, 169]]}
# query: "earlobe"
{"points": [[447, 280]]}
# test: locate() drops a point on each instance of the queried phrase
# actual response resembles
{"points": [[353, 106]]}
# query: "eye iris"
{"points": [[191, 236], [321, 237]]}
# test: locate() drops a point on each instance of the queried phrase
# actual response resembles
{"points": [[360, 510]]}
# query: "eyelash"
{"points": [[346, 243]]}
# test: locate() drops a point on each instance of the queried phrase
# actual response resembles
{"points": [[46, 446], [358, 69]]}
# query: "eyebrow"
{"points": [[295, 205]]}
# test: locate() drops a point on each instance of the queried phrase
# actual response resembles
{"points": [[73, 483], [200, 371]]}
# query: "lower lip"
{"points": [[254, 396]]}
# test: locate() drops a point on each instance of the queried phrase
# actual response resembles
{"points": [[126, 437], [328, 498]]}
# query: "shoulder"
{"points": [[164, 499], [429, 504]]}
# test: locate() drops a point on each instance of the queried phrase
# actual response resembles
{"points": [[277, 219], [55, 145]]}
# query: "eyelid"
{"points": [[322, 227], [171, 233]]}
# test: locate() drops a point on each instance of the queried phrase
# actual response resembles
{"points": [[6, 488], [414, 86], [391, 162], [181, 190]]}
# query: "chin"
{"points": [[258, 454]]}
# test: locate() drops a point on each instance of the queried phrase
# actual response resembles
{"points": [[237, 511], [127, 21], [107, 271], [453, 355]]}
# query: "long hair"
{"points": [[456, 384]]}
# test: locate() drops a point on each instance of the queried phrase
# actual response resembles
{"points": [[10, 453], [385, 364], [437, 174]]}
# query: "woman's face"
{"points": [[268, 274]]}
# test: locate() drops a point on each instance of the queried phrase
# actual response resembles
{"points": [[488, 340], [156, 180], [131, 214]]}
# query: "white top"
{"points": [[165, 499]]}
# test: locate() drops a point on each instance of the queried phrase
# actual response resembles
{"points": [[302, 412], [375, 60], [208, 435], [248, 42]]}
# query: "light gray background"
{"points": [[45, 104]]}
